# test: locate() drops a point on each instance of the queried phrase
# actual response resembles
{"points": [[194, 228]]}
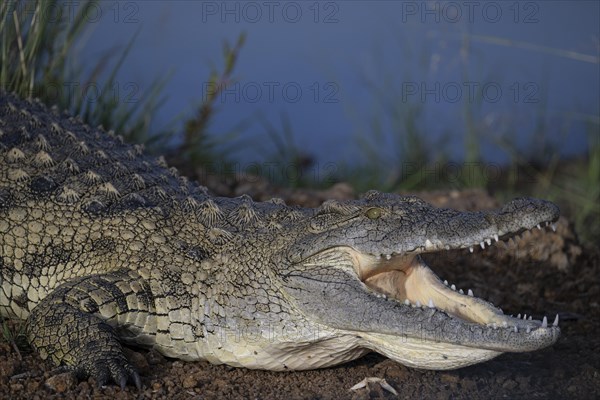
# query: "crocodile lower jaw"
{"points": [[422, 354]]}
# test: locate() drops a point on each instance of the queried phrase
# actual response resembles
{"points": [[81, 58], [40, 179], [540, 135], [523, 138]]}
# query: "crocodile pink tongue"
{"points": [[408, 279]]}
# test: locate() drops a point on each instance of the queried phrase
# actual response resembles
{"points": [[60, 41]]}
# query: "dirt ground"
{"points": [[545, 273]]}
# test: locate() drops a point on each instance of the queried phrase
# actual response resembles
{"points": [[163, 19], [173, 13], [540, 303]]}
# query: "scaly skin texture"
{"points": [[101, 245]]}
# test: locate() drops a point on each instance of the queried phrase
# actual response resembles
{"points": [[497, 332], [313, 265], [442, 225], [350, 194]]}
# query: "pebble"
{"points": [[61, 383]]}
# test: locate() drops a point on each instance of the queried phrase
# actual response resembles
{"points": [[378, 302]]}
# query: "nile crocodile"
{"points": [[103, 245]]}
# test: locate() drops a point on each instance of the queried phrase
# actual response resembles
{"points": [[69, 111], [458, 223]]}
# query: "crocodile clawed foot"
{"points": [[115, 369]]}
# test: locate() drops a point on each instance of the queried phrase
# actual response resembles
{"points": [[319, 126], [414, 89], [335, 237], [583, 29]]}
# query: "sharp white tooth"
{"points": [[482, 245], [418, 303], [430, 304], [488, 241], [378, 257], [470, 293], [555, 323], [446, 282], [528, 329], [496, 238], [461, 291], [387, 256], [407, 302], [453, 287], [519, 316], [554, 227], [539, 226], [516, 329], [428, 244], [471, 249], [545, 322], [530, 317], [524, 316]]}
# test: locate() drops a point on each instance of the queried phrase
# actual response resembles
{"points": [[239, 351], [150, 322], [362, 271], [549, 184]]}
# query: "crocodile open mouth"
{"points": [[406, 278]]}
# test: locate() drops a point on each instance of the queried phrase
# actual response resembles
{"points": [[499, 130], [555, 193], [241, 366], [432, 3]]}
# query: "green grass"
{"points": [[418, 164], [197, 147], [38, 59], [37, 53], [14, 334]]}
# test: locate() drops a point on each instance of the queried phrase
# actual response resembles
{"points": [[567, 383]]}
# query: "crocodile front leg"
{"points": [[75, 325]]}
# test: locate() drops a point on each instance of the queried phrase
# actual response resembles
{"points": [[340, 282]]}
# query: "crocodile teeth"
{"points": [[528, 329], [461, 291], [545, 322], [482, 245], [470, 293], [530, 317], [516, 330], [554, 227], [518, 316], [471, 249], [453, 287], [524, 317], [418, 303], [446, 282], [539, 226], [488, 241], [387, 256], [407, 302], [430, 304], [555, 323], [496, 238]]}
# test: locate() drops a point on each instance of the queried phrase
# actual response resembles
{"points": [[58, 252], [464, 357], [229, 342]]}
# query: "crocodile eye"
{"points": [[373, 213]]}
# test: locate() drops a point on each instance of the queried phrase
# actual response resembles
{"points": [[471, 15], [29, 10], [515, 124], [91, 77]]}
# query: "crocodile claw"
{"points": [[115, 370]]}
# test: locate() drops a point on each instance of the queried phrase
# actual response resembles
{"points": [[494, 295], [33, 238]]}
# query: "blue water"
{"points": [[345, 71]]}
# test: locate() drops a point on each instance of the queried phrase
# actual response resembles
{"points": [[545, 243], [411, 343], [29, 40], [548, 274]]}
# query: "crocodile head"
{"points": [[359, 271]]}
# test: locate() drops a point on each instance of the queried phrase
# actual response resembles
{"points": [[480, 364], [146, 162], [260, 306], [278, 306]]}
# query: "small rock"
{"points": [[509, 384], [62, 382], [397, 373], [449, 378], [190, 381], [16, 387]]}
